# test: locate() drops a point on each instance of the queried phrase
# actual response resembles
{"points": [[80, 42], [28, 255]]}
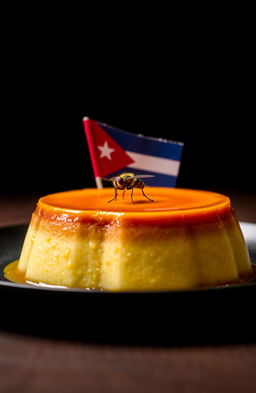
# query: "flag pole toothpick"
{"points": [[98, 181]]}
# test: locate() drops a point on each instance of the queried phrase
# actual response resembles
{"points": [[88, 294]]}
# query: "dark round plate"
{"points": [[200, 315]]}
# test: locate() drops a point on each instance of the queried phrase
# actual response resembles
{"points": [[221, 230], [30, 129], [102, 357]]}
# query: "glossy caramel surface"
{"points": [[170, 205]]}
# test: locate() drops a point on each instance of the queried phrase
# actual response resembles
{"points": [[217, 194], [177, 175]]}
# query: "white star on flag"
{"points": [[105, 150]]}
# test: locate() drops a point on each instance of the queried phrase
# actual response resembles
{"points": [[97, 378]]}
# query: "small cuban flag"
{"points": [[114, 151]]}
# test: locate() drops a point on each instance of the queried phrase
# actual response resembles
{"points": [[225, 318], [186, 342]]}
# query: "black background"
{"points": [[198, 89]]}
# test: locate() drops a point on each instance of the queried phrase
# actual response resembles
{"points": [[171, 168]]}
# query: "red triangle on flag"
{"points": [[107, 156]]}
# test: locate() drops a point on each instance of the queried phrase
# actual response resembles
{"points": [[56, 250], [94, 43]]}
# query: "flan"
{"points": [[184, 239]]}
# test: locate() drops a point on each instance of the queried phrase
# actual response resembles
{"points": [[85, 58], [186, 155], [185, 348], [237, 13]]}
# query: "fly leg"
{"points": [[115, 196], [132, 196], [151, 200]]}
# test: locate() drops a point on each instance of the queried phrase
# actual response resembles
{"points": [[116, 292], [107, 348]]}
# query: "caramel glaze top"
{"points": [[171, 206]]}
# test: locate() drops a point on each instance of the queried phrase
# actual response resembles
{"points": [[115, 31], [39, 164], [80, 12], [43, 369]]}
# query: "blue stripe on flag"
{"points": [[158, 180], [145, 145]]}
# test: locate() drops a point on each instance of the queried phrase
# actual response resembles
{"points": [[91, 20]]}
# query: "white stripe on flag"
{"points": [[154, 164]]}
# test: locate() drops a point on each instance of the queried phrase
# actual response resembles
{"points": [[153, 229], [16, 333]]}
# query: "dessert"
{"points": [[184, 239]]}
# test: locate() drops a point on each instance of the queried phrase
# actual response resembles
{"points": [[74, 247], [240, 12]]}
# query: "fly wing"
{"points": [[144, 176]]}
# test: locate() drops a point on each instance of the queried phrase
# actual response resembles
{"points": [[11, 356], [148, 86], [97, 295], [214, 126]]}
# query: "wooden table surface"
{"points": [[36, 364]]}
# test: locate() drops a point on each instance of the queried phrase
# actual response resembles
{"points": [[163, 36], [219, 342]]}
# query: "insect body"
{"points": [[128, 181]]}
